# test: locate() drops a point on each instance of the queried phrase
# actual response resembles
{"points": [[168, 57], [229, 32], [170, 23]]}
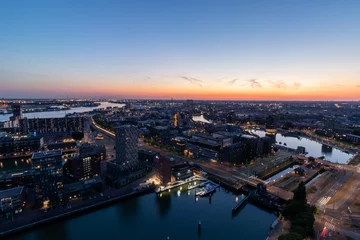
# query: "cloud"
{"points": [[358, 86], [297, 85], [254, 83], [339, 85], [278, 84], [193, 80], [232, 81]]}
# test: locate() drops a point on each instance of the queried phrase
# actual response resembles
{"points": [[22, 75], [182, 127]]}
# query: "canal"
{"points": [[175, 215], [314, 149]]}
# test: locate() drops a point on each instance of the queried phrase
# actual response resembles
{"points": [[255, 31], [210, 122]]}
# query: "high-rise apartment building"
{"points": [[126, 145]]}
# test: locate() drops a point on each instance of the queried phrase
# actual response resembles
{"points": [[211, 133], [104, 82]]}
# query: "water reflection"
{"points": [[60, 114], [130, 208], [163, 203], [313, 148]]}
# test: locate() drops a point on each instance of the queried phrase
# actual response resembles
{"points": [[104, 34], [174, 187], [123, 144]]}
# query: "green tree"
{"points": [[291, 236], [298, 229], [300, 193], [77, 136]]}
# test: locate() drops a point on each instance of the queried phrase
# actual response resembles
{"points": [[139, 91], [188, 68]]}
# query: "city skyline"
{"points": [[237, 50]]}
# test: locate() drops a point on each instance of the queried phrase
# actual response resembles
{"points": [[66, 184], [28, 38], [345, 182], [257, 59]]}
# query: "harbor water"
{"points": [[174, 214]]}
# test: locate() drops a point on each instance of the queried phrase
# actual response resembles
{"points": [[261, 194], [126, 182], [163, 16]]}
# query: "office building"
{"points": [[19, 144], [86, 165], [163, 170], [48, 175], [126, 140]]}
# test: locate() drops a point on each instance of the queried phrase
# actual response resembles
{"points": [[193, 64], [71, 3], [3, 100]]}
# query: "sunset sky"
{"points": [[199, 49]]}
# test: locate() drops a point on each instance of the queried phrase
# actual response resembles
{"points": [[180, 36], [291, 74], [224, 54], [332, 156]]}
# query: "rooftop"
{"points": [[11, 192], [51, 153]]}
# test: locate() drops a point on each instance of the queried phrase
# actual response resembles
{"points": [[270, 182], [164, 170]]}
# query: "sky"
{"points": [[181, 49]]}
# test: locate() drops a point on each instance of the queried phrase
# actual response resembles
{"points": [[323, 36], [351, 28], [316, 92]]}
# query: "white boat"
{"points": [[208, 189]]}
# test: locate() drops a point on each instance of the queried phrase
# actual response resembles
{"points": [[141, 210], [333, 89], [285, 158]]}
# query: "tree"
{"points": [[311, 159], [77, 136], [299, 230], [300, 193], [291, 236]]}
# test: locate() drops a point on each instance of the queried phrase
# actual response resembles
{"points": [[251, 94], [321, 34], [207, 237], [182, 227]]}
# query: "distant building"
{"points": [[163, 170], [48, 175], [234, 154], [300, 150], [11, 200], [19, 144], [251, 147], [86, 165], [52, 126], [126, 140], [266, 145], [355, 139], [17, 111], [62, 145]]}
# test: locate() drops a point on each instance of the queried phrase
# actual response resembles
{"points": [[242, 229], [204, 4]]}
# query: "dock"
{"points": [[180, 183], [239, 205]]}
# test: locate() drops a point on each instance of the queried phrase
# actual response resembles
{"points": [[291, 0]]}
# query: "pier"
{"points": [[239, 205]]}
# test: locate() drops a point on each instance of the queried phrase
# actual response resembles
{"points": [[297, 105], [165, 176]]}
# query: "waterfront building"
{"points": [[86, 165], [48, 174], [126, 140], [12, 201], [82, 188], [355, 139], [146, 155], [182, 171], [163, 170], [65, 146], [301, 150], [19, 144], [52, 126]]}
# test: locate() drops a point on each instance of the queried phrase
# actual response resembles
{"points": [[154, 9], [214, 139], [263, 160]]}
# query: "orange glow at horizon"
{"points": [[161, 92]]}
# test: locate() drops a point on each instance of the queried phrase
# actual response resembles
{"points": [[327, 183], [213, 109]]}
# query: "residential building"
{"points": [[12, 200], [86, 165], [48, 126], [48, 174], [19, 144], [163, 170], [126, 140]]}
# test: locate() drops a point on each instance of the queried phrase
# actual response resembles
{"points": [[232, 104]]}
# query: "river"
{"points": [[175, 215], [314, 149], [62, 113]]}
